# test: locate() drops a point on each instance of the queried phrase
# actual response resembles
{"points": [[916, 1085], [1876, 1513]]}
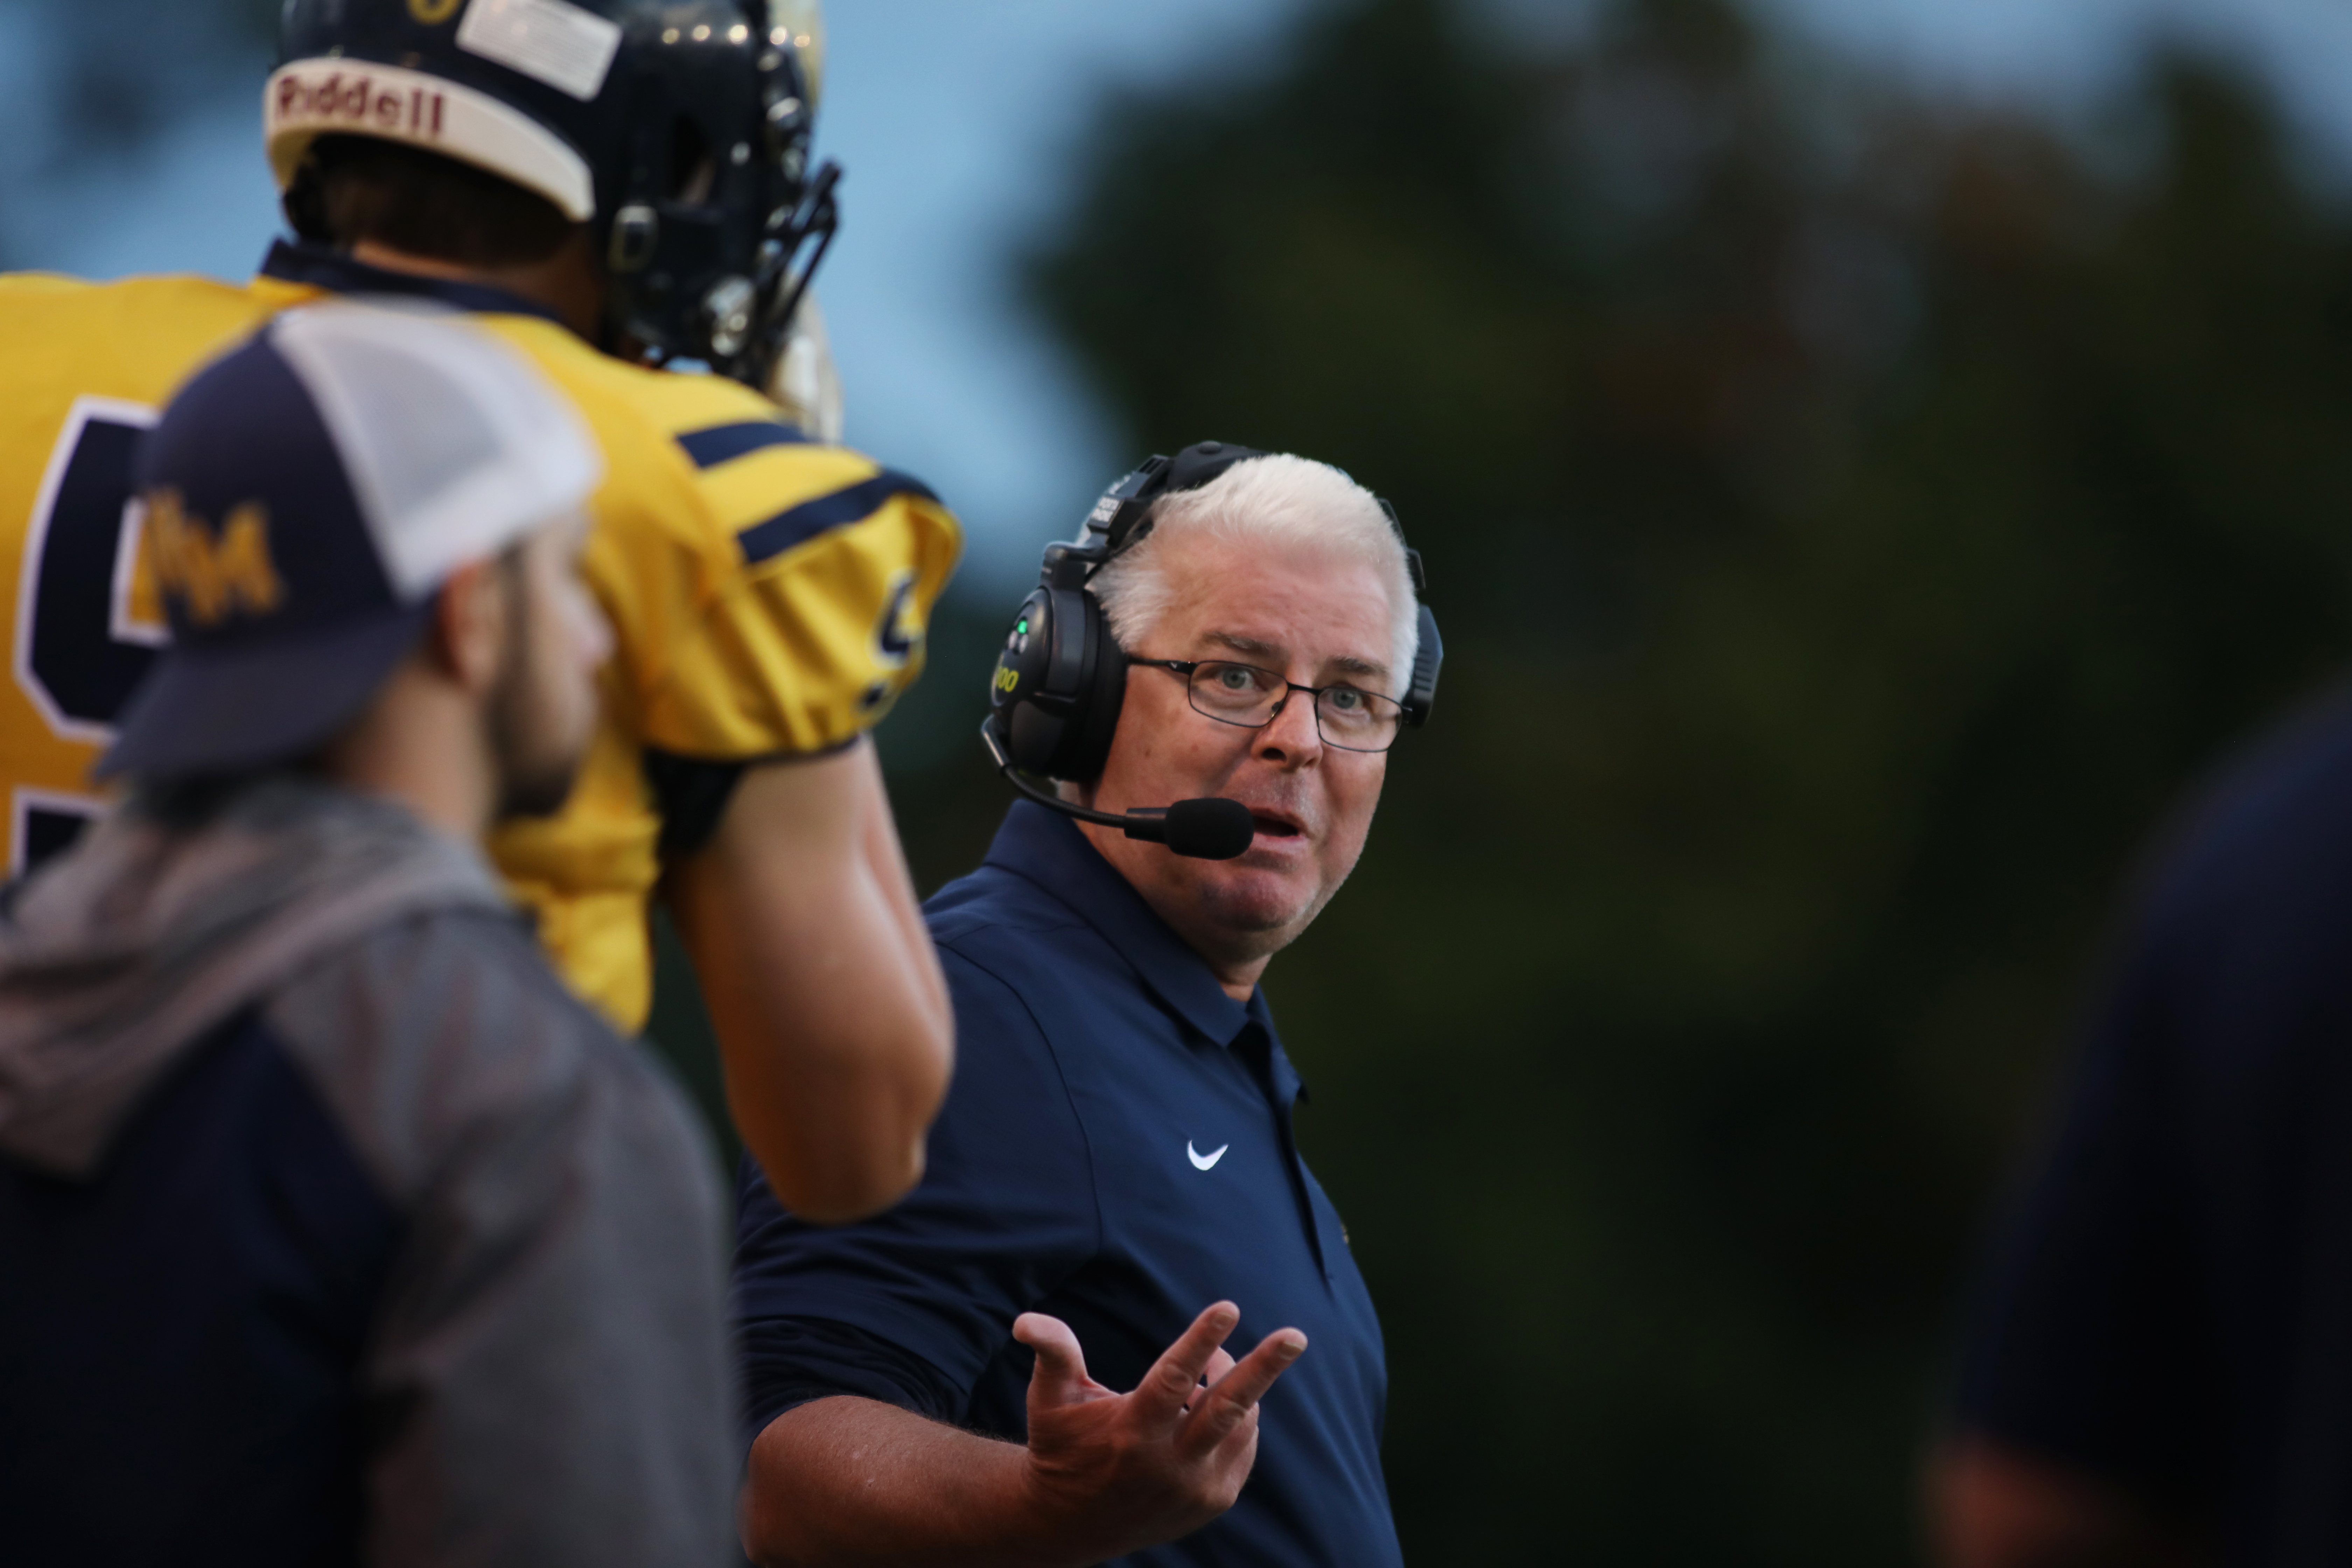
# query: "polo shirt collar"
{"points": [[339, 272], [1047, 847]]}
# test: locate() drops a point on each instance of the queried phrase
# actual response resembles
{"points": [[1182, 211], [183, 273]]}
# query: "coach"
{"points": [[1114, 1188]]}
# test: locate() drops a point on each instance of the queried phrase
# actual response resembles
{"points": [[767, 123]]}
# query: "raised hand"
{"points": [[1117, 1472]]}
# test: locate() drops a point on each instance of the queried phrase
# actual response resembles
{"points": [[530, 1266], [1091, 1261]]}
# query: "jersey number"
{"points": [[79, 652]]}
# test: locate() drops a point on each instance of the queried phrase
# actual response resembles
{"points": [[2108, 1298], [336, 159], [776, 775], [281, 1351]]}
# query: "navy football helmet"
{"points": [[678, 129]]}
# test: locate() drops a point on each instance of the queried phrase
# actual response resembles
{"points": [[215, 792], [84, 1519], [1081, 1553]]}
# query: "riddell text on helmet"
{"points": [[355, 99]]}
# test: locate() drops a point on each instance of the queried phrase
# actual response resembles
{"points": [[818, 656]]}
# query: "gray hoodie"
{"points": [[542, 1376]]}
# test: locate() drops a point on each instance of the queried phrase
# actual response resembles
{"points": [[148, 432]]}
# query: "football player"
{"points": [[609, 185]]}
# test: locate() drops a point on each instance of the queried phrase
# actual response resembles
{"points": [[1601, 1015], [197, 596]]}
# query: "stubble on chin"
{"points": [[1264, 924]]}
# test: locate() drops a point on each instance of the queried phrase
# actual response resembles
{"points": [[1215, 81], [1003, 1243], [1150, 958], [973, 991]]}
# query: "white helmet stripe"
{"points": [[309, 99]]}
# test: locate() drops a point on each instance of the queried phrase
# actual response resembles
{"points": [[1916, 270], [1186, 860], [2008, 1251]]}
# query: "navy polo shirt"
{"points": [[1117, 1151], [2169, 1306]]}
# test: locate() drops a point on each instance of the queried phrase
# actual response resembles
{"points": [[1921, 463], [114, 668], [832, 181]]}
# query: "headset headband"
{"points": [[1123, 517]]}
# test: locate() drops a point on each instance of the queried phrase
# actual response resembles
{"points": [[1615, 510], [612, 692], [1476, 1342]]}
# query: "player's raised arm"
{"points": [[765, 658], [821, 982]]}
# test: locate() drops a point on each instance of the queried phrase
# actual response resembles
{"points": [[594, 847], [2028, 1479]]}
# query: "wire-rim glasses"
{"points": [[1347, 717]]}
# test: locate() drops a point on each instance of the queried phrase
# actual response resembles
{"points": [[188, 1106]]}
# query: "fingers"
{"points": [[1218, 1364], [1232, 1399], [1235, 1453], [1061, 1375], [1172, 1378]]}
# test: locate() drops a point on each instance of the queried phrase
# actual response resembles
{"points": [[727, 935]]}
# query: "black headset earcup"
{"points": [[1102, 693], [1421, 695], [1059, 687], [1027, 732]]}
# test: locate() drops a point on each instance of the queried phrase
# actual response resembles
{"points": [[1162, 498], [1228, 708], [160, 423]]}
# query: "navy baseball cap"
{"points": [[300, 504]]}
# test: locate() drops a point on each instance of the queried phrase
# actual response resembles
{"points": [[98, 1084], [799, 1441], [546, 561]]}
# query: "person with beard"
{"points": [[1115, 1167], [337, 1228]]}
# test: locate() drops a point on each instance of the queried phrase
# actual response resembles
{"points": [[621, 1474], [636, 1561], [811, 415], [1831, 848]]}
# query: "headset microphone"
{"points": [[1058, 685], [1205, 829]]}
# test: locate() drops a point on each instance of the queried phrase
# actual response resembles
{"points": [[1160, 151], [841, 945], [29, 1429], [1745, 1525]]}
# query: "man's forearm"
{"points": [[853, 1481], [886, 861]]}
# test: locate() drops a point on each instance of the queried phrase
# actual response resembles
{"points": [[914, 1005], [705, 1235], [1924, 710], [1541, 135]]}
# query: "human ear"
{"points": [[469, 625]]}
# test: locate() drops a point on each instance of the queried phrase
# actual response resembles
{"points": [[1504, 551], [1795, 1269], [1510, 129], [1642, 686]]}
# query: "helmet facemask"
{"points": [[711, 251]]}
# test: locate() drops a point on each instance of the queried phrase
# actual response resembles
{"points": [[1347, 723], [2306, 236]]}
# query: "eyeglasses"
{"points": [[1347, 717]]}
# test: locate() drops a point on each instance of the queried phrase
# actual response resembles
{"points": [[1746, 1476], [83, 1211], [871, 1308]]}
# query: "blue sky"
{"points": [[954, 118]]}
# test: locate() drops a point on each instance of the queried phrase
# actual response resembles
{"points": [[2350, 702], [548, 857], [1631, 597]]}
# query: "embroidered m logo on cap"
{"points": [[212, 573]]}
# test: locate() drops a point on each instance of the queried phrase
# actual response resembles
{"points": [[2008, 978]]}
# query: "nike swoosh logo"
{"points": [[1202, 1162]]}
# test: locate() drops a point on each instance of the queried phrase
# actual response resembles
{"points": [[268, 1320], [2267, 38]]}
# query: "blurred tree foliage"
{"points": [[1853, 522]]}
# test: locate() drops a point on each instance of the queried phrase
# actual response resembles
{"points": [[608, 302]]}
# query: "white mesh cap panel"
{"points": [[456, 446]]}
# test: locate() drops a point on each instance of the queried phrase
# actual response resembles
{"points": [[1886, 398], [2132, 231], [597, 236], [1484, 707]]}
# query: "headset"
{"points": [[1055, 694]]}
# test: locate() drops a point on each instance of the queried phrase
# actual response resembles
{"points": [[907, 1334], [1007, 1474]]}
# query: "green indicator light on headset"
{"points": [[1022, 625]]}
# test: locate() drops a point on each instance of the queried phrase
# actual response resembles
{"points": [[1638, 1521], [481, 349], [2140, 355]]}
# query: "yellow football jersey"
{"points": [[89, 367], [768, 593]]}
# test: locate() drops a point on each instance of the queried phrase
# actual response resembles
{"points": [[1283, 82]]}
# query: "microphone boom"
{"points": [[1206, 828]]}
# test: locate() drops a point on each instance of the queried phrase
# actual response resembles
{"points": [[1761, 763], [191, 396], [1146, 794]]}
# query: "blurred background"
{"points": [[1873, 457]]}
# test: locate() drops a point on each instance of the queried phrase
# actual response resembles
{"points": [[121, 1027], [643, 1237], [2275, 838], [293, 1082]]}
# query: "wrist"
{"points": [[1064, 1519]]}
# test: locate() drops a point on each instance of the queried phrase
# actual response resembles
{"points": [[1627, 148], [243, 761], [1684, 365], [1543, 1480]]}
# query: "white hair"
{"points": [[1277, 503]]}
